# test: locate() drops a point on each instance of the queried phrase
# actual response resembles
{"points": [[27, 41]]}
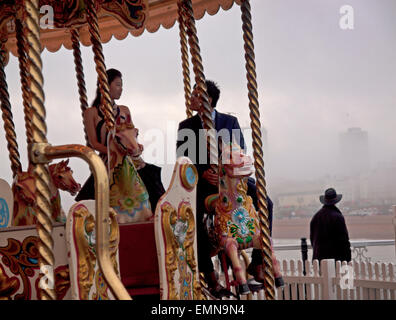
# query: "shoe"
{"points": [[256, 271], [243, 289], [214, 287], [219, 292]]}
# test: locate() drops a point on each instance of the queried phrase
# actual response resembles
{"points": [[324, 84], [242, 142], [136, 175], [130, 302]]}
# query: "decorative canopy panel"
{"points": [[117, 18]]}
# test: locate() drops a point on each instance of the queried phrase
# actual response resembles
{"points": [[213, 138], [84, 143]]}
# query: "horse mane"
{"points": [[59, 167], [123, 126]]}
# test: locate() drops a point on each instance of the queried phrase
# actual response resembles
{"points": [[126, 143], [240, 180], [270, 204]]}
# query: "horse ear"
{"points": [[66, 162]]}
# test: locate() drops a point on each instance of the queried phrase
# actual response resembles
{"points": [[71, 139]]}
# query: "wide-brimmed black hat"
{"points": [[330, 197]]}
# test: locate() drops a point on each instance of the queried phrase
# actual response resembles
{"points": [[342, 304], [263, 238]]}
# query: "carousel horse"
{"points": [[24, 191], [236, 224], [128, 194]]}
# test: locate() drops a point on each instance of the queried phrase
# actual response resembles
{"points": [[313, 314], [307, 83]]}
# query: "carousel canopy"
{"points": [[117, 18]]}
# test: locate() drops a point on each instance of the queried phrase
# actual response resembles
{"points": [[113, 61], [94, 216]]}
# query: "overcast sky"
{"points": [[315, 80]]}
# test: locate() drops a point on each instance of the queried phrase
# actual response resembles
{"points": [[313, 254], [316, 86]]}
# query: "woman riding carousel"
{"points": [[97, 138]]}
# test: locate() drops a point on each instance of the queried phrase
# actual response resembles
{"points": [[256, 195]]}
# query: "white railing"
{"points": [[336, 281], [358, 248], [354, 244], [332, 280]]}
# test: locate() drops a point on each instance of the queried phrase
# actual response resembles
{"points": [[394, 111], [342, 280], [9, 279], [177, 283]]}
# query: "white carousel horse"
{"points": [[236, 222]]}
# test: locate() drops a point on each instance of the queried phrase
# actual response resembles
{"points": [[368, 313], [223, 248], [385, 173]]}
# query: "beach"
{"points": [[376, 227], [360, 228]]}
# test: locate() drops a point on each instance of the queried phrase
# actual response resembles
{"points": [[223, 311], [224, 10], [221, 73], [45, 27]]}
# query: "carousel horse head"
{"points": [[234, 168], [62, 177], [235, 162], [125, 139]]}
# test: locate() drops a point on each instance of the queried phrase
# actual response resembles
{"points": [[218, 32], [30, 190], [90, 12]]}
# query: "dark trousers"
{"points": [[257, 254]]}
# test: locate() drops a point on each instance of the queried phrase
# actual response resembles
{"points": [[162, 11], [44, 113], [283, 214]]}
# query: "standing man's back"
{"points": [[328, 231]]}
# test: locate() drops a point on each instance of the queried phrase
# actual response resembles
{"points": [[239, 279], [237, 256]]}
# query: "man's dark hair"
{"points": [[213, 91]]}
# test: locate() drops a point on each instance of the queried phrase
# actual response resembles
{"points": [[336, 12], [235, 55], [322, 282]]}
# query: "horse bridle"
{"points": [[119, 142]]}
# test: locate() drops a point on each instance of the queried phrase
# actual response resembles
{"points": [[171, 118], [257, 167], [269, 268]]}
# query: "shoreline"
{"points": [[378, 227]]}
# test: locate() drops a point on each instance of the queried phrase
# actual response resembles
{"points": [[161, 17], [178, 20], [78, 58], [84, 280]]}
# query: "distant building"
{"points": [[353, 188], [299, 199], [354, 152], [382, 183]]}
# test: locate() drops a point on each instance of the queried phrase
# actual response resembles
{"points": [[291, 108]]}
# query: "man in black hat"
{"points": [[329, 234]]}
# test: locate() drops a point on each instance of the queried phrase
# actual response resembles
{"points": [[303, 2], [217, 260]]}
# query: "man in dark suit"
{"points": [[191, 143], [328, 231]]}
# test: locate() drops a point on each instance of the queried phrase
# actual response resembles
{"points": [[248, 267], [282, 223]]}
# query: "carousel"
{"points": [[116, 246]]}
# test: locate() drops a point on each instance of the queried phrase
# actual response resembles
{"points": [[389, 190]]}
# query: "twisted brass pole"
{"points": [[186, 16], [23, 66], [257, 149], [184, 57], [9, 127], [75, 37], [39, 132], [102, 247], [200, 81], [105, 105]]}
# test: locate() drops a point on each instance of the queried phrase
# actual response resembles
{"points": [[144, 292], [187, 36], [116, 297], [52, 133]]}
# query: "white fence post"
{"points": [[327, 270], [394, 223]]}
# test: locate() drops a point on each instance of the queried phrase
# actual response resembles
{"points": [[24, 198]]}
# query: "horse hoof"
{"points": [[243, 289]]}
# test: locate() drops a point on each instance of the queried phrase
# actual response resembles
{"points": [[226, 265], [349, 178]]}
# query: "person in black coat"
{"points": [[328, 231], [192, 144]]}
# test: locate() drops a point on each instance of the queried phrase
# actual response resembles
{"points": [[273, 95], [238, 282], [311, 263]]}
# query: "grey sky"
{"points": [[315, 80]]}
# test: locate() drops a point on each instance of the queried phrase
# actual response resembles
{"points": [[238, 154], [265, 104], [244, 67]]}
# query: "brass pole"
{"points": [[23, 66], [184, 56], [107, 110], [39, 132], [187, 14], [257, 149], [200, 81], [105, 106], [9, 127], [75, 36]]}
